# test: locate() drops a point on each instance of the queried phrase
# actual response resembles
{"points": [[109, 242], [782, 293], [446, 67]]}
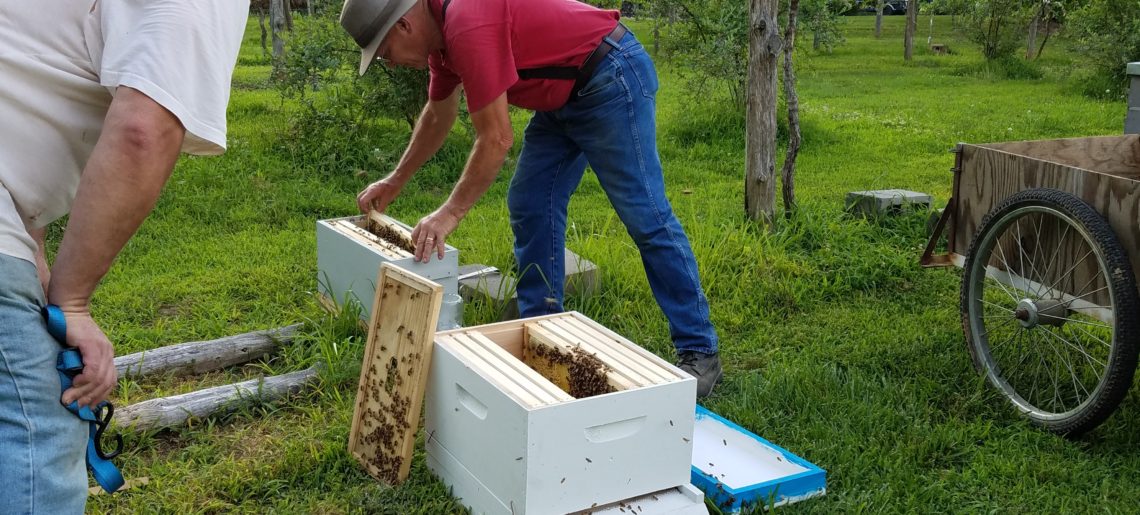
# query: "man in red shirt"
{"points": [[592, 87]]}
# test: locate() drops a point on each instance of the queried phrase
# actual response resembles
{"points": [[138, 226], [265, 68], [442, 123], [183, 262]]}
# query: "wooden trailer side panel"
{"points": [[988, 176], [1112, 155]]}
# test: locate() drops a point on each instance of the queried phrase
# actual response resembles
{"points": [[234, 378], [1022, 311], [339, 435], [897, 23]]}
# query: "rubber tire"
{"points": [[1123, 354]]}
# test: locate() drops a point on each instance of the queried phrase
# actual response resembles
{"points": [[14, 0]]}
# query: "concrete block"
{"points": [[877, 203], [582, 279]]}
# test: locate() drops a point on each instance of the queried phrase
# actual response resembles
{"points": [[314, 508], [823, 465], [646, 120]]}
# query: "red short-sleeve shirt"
{"points": [[487, 41]]}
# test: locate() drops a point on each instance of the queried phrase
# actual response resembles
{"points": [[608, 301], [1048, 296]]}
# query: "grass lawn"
{"points": [[836, 344]]}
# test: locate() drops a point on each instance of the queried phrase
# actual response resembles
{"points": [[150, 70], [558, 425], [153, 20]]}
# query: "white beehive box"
{"points": [[509, 441], [349, 257]]}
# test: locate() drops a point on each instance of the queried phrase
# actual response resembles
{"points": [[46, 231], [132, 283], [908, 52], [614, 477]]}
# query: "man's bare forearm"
{"points": [[121, 183]]}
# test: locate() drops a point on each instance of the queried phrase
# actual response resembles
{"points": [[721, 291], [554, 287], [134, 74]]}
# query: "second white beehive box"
{"points": [[505, 433], [349, 257]]}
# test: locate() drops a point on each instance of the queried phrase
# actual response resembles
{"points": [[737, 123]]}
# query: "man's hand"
{"points": [[379, 194], [94, 385], [432, 231]]}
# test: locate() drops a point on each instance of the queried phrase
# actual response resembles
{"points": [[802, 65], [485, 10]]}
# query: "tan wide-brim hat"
{"points": [[368, 21]]}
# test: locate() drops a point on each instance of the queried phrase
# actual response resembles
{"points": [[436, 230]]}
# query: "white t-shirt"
{"points": [[60, 62]]}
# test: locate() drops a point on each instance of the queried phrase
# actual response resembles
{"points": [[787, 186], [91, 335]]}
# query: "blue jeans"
{"points": [[42, 445], [610, 124]]}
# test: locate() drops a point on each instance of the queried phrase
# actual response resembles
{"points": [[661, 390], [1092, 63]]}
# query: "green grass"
{"points": [[836, 344]]}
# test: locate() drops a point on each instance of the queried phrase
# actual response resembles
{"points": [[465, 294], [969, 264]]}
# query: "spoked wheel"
{"points": [[1049, 310]]}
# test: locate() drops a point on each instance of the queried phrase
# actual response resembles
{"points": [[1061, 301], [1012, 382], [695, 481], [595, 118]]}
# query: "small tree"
{"points": [[879, 19], [1108, 34], [996, 25], [823, 18], [712, 43], [911, 27], [793, 100], [760, 120]]}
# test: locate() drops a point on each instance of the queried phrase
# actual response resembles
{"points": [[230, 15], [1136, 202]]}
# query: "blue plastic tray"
{"points": [[735, 468]]}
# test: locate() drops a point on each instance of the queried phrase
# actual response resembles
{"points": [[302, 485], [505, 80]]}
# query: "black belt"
{"points": [[582, 74]]}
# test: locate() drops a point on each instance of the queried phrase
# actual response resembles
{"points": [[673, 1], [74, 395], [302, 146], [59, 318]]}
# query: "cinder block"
{"points": [[878, 203], [582, 279]]}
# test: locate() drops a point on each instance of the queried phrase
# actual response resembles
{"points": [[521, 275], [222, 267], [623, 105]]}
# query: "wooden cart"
{"points": [[1047, 233]]}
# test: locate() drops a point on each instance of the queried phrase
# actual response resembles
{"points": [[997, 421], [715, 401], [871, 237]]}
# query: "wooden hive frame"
{"points": [[558, 358]]}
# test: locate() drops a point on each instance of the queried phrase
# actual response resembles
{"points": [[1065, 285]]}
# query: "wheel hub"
{"points": [[1031, 313]]}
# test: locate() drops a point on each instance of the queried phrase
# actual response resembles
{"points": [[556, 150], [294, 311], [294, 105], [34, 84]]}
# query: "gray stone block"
{"points": [[876, 203], [582, 279]]}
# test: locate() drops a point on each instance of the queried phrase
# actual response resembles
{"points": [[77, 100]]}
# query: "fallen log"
{"points": [[205, 356], [175, 410]]}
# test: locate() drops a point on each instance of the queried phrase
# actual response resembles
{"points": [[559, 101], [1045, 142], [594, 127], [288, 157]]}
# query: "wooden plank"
{"points": [[586, 374], [619, 375], [527, 379], [1112, 155], [525, 395], [175, 410], [647, 369], [204, 356], [548, 359], [390, 230], [393, 375], [603, 352], [647, 358], [370, 240], [519, 368], [989, 176], [508, 334]]}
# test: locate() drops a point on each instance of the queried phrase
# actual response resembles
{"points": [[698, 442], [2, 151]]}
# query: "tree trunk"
{"points": [[174, 411], [760, 118], [309, 7], [817, 33], [264, 31], [200, 357], [656, 34], [277, 25], [793, 100], [1048, 18], [911, 27], [879, 19], [1031, 42], [287, 7]]}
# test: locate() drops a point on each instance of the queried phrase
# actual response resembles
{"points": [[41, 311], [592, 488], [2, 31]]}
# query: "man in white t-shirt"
{"points": [[97, 99]]}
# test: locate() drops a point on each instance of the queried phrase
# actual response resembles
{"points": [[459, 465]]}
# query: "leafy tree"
{"points": [[321, 54], [822, 18], [711, 42], [339, 109], [1108, 34], [997, 25]]}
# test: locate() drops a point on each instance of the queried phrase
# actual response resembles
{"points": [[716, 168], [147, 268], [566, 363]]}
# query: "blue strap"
{"points": [[70, 364]]}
